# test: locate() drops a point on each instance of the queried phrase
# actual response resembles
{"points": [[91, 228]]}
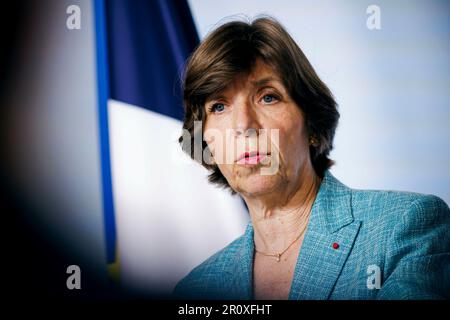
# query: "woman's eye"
{"points": [[269, 98], [217, 108]]}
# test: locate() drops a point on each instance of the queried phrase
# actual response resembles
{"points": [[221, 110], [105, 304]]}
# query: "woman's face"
{"points": [[256, 134]]}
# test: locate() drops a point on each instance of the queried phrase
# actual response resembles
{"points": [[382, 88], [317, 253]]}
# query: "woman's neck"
{"points": [[280, 217]]}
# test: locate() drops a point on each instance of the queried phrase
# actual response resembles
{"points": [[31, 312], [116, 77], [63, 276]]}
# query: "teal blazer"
{"points": [[391, 245]]}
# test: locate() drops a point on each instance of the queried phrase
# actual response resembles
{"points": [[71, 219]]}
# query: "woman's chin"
{"points": [[257, 185]]}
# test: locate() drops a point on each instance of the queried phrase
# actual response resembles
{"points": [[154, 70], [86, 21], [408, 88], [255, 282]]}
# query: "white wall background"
{"points": [[391, 84]]}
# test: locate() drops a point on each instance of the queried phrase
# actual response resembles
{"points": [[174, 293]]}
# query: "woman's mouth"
{"points": [[251, 158]]}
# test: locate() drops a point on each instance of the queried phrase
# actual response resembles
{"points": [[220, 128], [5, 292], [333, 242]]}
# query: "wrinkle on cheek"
{"points": [[214, 139], [282, 168]]}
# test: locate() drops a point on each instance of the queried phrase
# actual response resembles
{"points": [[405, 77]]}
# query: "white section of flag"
{"points": [[168, 217]]}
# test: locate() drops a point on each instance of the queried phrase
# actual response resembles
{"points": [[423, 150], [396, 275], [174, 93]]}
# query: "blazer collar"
{"points": [[318, 264], [331, 210]]}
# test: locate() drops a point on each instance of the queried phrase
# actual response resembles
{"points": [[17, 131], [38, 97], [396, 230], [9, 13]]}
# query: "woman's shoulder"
{"points": [[398, 201], [212, 269], [222, 258], [403, 209], [407, 234], [376, 205]]}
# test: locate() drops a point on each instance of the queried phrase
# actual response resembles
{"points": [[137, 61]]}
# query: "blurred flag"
{"points": [[162, 217]]}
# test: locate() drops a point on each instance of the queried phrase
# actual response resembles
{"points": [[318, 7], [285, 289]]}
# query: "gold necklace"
{"points": [[279, 254]]}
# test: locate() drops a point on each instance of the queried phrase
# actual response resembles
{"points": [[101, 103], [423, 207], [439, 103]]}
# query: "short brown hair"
{"points": [[230, 51]]}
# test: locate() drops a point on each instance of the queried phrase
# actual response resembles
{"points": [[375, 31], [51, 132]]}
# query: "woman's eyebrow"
{"points": [[264, 81], [214, 97]]}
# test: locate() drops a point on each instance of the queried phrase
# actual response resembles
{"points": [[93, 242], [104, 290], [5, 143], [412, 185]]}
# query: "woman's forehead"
{"points": [[260, 76]]}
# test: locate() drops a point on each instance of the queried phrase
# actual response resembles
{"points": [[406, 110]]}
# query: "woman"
{"points": [[258, 99]]}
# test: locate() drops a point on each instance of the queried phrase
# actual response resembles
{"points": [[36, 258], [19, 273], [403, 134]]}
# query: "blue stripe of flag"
{"points": [[103, 95]]}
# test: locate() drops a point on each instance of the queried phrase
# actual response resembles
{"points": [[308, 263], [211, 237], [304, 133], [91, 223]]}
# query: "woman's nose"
{"points": [[245, 120]]}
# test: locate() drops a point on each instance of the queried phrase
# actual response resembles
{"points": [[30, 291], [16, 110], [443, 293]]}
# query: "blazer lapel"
{"points": [[327, 243]]}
